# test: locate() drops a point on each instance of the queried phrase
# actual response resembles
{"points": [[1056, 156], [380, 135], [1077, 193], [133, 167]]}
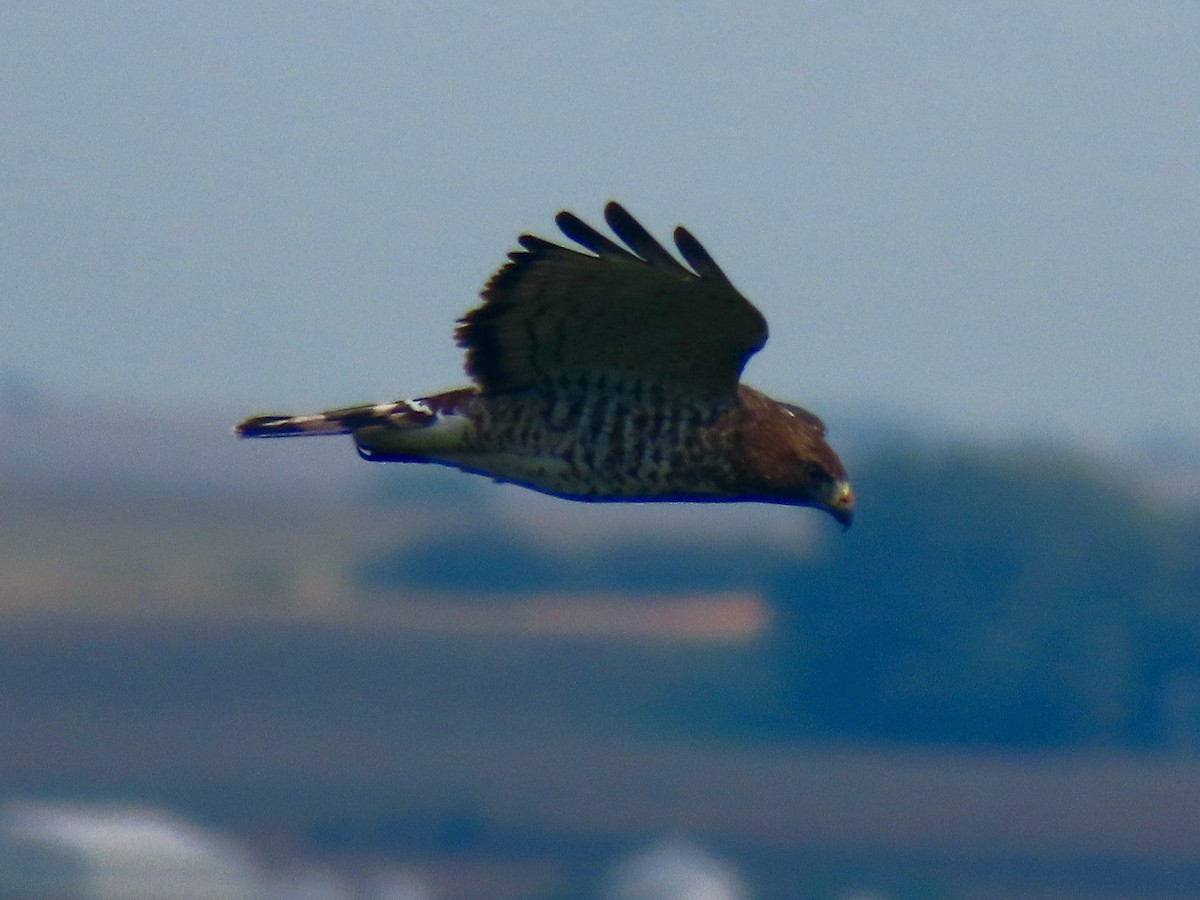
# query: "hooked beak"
{"points": [[841, 503]]}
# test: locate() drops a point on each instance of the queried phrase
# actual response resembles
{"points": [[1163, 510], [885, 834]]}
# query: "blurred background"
{"points": [[269, 670]]}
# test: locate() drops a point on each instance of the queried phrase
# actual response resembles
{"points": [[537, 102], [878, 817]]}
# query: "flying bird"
{"points": [[610, 373]]}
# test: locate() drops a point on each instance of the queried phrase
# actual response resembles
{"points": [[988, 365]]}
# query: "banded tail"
{"points": [[399, 414]]}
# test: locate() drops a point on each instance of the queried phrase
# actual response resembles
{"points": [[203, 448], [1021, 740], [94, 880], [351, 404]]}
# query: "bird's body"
{"points": [[611, 376]]}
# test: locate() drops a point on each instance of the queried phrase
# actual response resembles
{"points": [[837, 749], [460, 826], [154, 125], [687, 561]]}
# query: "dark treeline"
{"points": [[1023, 598]]}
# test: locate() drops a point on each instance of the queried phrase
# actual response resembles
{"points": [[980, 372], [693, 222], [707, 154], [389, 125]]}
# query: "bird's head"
{"points": [[785, 448], [817, 479]]}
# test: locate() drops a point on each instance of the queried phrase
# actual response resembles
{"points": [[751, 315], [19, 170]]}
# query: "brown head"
{"points": [[785, 459]]}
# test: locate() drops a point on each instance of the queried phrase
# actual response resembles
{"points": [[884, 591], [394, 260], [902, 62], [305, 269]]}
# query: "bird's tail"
{"points": [[410, 413]]}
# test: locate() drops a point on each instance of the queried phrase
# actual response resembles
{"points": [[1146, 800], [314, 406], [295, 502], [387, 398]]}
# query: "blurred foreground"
{"points": [[407, 688]]}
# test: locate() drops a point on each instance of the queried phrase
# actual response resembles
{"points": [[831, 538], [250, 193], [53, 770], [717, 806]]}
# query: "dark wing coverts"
{"points": [[552, 313]]}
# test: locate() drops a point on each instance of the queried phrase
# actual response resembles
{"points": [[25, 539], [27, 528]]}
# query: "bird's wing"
{"points": [[552, 313]]}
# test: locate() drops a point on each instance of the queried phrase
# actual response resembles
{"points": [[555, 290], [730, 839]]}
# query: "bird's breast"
{"points": [[602, 438]]}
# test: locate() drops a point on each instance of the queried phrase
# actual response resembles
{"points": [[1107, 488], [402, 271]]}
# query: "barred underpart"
{"points": [[608, 435]]}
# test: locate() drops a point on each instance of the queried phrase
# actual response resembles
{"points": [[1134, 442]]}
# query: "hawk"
{"points": [[607, 373]]}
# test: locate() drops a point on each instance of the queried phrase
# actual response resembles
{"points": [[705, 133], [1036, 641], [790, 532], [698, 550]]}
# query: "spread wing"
{"points": [[553, 313]]}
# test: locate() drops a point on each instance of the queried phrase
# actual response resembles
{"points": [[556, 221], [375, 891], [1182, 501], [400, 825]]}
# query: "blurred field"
{"points": [[377, 741], [212, 653]]}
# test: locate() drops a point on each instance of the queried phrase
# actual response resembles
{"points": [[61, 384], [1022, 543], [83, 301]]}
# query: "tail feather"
{"points": [[401, 413]]}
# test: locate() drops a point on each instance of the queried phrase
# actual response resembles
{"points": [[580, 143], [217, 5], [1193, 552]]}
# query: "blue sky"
{"points": [[986, 214]]}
